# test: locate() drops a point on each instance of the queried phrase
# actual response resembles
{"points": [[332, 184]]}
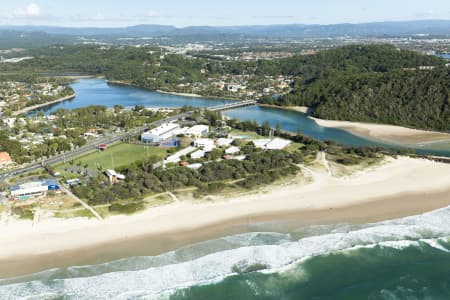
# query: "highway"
{"points": [[111, 139], [89, 147]]}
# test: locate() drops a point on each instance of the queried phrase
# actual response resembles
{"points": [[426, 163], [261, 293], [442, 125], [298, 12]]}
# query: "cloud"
{"points": [[32, 10]]}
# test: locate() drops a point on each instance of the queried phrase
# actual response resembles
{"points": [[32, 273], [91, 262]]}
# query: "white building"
{"points": [[261, 143], [274, 144], [206, 144], [232, 150], [194, 166], [222, 142], [277, 144], [233, 88], [197, 154], [198, 131], [161, 133], [174, 158], [35, 188], [9, 121], [113, 176]]}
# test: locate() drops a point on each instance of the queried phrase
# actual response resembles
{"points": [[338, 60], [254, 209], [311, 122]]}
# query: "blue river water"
{"points": [[98, 92], [444, 55]]}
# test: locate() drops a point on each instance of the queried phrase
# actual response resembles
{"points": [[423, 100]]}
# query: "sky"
{"points": [[181, 13]]}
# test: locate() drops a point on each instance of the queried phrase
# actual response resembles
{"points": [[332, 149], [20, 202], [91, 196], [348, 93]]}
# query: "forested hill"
{"points": [[349, 59], [376, 84]]}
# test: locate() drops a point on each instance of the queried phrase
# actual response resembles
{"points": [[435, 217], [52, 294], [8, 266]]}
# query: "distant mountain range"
{"points": [[378, 29]]}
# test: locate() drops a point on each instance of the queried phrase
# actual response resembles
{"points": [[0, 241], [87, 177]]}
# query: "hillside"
{"points": [[376, 84]]}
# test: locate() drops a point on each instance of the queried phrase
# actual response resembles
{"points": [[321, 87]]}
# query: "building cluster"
{"points": [[168, 131], [19, 94], [242, 86], [194, 155], [34, 190]]}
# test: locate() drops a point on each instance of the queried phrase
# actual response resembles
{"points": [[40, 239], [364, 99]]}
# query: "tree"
{"points": [[117, 108], [277, 129]]}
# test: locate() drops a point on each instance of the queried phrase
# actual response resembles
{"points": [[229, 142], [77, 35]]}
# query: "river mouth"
{"points": [[96, 91]]}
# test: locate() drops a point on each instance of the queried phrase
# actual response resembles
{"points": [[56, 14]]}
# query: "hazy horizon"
{"points": [[177, 13], [231, 25]]}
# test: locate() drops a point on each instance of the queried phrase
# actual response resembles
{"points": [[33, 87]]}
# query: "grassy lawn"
{"points": [[294, 147], [117, 156]]}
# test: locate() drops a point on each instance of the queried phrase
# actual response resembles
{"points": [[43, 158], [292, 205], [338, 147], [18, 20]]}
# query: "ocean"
{"points": [[407, 258]]}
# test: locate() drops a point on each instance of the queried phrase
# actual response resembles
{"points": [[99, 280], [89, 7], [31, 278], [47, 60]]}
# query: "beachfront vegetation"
{"points": [[146, 177], [261, 167]]}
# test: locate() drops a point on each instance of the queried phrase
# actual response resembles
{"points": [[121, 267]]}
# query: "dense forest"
{"points": [[372, 84], [418, 99], [349, 60]]}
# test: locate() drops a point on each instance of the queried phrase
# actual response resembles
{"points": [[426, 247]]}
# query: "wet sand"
{"points": [[399, 188]]}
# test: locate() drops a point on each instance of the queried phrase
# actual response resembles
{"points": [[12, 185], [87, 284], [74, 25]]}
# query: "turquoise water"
{"points": [[97, 91], [407, 258]]}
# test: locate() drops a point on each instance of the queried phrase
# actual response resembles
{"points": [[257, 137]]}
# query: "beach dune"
{"points": [[400, 187]]}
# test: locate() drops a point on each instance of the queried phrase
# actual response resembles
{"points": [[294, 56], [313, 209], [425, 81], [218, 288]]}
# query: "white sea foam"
{"points": [[277, 252], [435, 244]]}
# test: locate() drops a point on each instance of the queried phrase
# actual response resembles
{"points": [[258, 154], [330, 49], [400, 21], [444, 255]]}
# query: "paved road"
{"points": [[89, 147], [110, 139]]}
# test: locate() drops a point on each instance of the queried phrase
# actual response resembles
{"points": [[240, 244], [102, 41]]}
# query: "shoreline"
{"points": [[385, 133], [123, 83], [34, 107], [392, 134], [180, 94], [395, 189], [301, 109]]}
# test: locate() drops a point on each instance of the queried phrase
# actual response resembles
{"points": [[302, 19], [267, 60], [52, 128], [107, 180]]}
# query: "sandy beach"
{"points": [[180, 94], [302, 109], [388, 133], [398, 188]]}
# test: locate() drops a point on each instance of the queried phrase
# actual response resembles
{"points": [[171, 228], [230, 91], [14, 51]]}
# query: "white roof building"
{"points": [[34, 188], [198, 131], [204, 143], [232, 150], [194, 166], [113, 173], [261, 143], [274, 144], [277, 144], [160, 133], [176, 157], [197, 154], [9, 121], [224, 142], [237, 157]]}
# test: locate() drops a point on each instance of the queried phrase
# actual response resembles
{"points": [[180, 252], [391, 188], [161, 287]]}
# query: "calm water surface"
{"points": [[98, 92]]}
